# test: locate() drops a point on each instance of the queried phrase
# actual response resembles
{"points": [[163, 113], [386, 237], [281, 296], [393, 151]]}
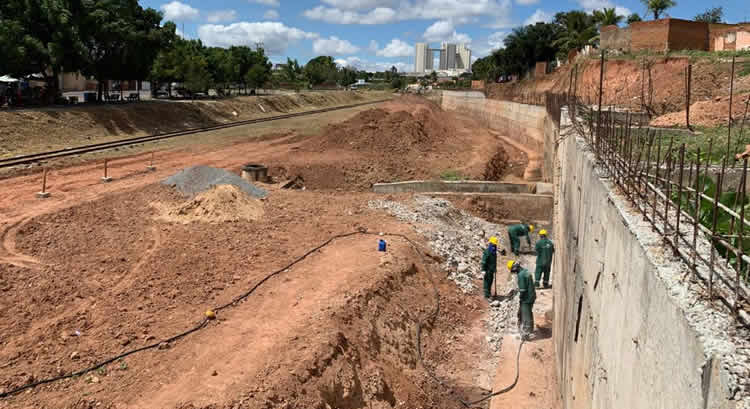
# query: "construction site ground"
{"points": [[94, 271]]}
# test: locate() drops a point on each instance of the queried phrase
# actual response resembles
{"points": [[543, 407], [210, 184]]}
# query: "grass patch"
{"points": [[744, 69], [701, 140], [451, 174]]}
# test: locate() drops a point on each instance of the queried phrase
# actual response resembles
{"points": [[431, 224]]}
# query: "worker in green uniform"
{"points": [[544, 251], [528, 296], [515, 232], [489, 266]]}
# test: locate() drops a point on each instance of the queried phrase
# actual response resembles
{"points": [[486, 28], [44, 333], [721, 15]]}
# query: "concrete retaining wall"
{"points": [[526, 207], [522, 123], [423, 186], [622, 339]]}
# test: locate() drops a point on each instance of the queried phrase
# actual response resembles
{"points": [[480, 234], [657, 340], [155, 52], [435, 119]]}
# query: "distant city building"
{"points": [[420, 62], [452, 58]]}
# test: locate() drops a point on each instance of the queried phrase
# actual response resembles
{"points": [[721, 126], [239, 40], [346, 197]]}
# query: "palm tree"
{"points": [[658, 6], [607, 17], [578, 30]]}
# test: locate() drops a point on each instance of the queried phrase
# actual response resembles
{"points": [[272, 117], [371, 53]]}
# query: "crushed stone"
{"points": [[459, 239], [197, 179]]}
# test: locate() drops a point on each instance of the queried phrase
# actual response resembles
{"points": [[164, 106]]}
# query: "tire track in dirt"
{"points": [[127, 279], [8, 252]]}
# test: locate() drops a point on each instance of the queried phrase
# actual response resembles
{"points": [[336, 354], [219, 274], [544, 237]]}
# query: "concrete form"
{"points": [[475, 186]]}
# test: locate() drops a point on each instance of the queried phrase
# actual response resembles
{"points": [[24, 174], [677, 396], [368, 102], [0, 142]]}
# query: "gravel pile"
{"points": [[197, 179], [460, 239]]}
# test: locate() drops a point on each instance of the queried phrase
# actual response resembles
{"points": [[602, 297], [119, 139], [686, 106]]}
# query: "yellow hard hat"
{"points": [[493, 240], [531, 228], [210, 314], [510, 265], [542, 232]]}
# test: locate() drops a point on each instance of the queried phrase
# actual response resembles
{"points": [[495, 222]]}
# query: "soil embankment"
{"points": [[35, 130]]}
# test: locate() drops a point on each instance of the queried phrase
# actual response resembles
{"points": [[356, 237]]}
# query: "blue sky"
{"points": [[378, 34]]}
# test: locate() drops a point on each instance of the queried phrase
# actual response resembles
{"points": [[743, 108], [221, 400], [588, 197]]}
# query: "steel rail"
{"points": [[37, 157]]}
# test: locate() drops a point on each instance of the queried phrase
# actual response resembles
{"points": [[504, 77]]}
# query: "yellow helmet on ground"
{"points": [[510, 265], [493, 240], [531, 228], [542, 232]]}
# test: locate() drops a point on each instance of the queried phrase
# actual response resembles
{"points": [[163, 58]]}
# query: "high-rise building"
{"points": [[463, 60], [443, 57], [450, 56], [421, 58]]}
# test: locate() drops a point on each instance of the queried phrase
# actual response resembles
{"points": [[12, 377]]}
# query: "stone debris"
{"points": [[197, 179], [460, 238]]}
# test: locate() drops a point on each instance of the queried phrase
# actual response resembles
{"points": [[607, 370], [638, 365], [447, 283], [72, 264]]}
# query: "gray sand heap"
{"points": [[197, 179]]}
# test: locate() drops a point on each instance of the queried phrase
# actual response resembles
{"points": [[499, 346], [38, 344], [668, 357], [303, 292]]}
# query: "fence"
{"points": [[698, 218]]}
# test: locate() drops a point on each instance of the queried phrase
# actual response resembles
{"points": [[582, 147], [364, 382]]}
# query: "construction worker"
{"points": [[528, 296], [489, 266], [544, 251], [515, 232]]}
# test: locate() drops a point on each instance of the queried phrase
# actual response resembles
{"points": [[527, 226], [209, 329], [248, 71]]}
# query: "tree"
{"points": [[607, 17], [658, 6], [321, 69], [40, 36], [433, 77], [634, 18], [292, 70], [712, 15], [121, 39], [257, 75], [484, 68], [197, 77], [577, 30]]}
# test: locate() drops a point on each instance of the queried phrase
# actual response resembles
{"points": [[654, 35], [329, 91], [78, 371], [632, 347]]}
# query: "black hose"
{"points": [[419, 323]]}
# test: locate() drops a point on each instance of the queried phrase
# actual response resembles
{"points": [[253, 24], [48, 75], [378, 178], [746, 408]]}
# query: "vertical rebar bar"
{"points": [[714, 225], [656, 174], [679, 198], [601, 94], [731, 96], [668, 183], [689, 80], [740, 244], [696, 221]]}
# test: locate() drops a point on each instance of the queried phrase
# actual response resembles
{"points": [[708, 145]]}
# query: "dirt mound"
{"points": [[706, 113], [223, 203], [497, 167], [197, 179], [385, 132]]}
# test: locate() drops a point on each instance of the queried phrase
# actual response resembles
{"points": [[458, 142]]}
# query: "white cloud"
{"points": [[396, 48], [591, 5], [359, 4], [380, 15], [276, 37], [527, 2], [373, 47], [539, 16], [271, 15], [177, 11], [387, 11], [364, 65], [271, 3], [493, 42], [221, 16], [333, 46], [444, 30]]}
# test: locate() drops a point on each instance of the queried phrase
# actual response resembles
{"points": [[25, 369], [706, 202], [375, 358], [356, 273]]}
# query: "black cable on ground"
{"points": [[419, 323]]}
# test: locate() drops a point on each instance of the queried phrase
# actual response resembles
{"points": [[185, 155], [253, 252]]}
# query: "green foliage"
{"points": [[292, 70], [658, 6], [451, 174], [577, 30], [607, 17], [712, 15], [634, 18], [744, 69], [321, 69], [484, 69]]}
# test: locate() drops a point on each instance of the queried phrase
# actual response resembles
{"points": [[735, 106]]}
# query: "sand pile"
{"points": [[706, 113], [197, 179], [223, 203]]}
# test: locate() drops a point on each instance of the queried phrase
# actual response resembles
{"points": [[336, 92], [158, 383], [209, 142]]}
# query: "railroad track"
{"points": [[42, 156]]}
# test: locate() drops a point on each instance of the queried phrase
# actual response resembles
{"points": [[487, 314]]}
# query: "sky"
{"points": [[375, 35]]}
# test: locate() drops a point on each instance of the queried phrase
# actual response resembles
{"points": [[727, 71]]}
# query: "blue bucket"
{"points": [[381, 245]]}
